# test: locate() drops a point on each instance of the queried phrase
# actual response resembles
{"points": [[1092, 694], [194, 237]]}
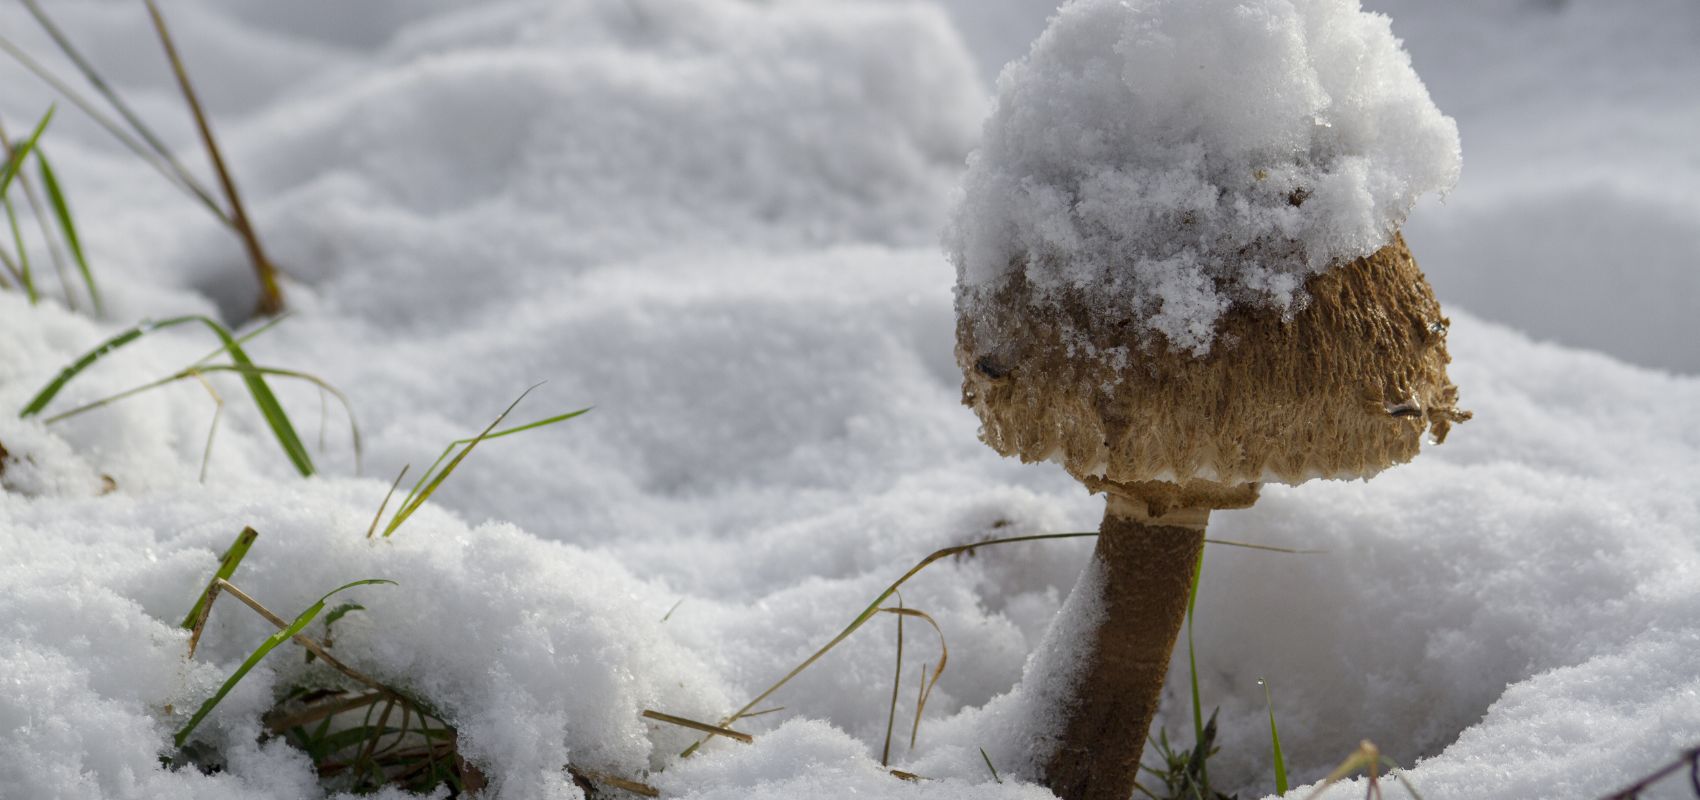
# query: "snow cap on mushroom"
{"points": [[1167, 159], [1177, 249]]}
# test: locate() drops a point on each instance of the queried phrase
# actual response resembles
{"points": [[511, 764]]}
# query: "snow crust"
{"points": [[1165, 159], [777, 436]]}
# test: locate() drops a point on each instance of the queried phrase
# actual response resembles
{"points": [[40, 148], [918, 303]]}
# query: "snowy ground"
{"points": [[717, 222]]}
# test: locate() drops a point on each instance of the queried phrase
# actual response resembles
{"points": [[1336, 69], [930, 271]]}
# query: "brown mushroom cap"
{"points": [[1343, 388]]}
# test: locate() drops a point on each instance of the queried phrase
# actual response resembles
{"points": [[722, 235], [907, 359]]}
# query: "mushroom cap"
{"points": [[1342, 388]]}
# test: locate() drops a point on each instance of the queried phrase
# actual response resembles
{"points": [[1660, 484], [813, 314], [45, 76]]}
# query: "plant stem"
{"points": [[271, 294]]}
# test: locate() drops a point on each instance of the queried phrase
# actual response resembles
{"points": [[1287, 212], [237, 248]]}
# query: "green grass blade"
{"points": [[22, 151], [267, 402], [244, 338], [53, 387], [347, 407], [988, 760], [24, 273], [271, 643], [432, 470], [1275, 741], [68, 226], [227, 564], [252, 376], [531, 425], [434, 477]]}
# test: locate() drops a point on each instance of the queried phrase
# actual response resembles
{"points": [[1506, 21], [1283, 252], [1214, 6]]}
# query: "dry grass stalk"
{"points": [[271, 294], [713, 730]]}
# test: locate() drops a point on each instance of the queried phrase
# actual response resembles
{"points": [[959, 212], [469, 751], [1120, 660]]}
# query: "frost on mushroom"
{"points": [[1180, 275]]}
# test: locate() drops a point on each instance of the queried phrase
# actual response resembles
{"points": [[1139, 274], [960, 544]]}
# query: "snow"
{"points": [[716, 222], [1167, 158]]}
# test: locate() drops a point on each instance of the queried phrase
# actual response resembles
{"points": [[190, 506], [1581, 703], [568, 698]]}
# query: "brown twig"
{"points": [[271, 294]]}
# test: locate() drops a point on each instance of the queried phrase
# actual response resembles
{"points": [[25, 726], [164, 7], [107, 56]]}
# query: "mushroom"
{"points": [[1180, 276], [1342, 389]]}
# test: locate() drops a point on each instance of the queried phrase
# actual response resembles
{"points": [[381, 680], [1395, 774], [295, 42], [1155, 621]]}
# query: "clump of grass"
{"points": [[366, 740], [417, 753], [271, 642], [19, 265], [1182, 772], [252, 375], [135, 135], [1185, 773], [453, 455]]}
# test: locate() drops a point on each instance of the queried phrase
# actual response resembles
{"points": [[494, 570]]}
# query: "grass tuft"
{"points": [[439, 471], [254, 377], [254, 658]]}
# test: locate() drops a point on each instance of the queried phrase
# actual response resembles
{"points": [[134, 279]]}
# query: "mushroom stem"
{"points": [[1147, 563]]}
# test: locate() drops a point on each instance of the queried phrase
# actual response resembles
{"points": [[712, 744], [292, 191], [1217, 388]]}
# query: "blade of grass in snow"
{"points": [[271, 293], [227, 565], [22, 151], [434, 477], [199, 372], [39, 212], [1368, 758], [244, 338], [386, 504], [252, 376], [177, 176], [163, 153], [698, 726], [896, 683], [928, 681], [1275, 742], [68, 226], [271, 643], [994, 770], [873, 609], [22, 270], [482, 437]]}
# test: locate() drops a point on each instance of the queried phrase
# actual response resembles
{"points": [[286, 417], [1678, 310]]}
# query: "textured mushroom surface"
{"points": [[1343, 388]]}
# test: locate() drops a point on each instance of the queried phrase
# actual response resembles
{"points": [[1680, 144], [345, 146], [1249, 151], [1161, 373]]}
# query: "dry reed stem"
{"points": [[271, 294], [713, 730]]}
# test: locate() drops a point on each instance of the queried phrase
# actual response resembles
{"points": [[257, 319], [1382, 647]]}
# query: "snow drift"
{"points": [[776, 438]]}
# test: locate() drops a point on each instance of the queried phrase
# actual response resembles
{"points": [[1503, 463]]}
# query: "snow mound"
{"points": [[1170, 158], [777, 436], [539, 653]]}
